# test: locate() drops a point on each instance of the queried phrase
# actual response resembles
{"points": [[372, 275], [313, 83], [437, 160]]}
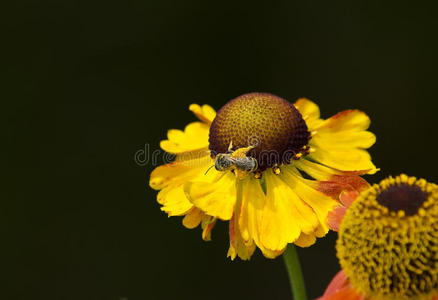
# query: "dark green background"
{"points": [[86, 84]]}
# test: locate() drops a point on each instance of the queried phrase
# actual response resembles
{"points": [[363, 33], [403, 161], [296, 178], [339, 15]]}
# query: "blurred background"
{"points": [[87, 84]]}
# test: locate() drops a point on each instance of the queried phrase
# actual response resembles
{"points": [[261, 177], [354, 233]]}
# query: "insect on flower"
{"points": [[237, 161]]}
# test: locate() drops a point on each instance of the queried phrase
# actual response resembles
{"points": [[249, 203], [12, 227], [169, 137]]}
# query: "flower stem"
{"points": [[293, 267]]}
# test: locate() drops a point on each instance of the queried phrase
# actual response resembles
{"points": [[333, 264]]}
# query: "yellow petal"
{"points": [[170, 178], [238, 247], [244, 251], [205, 113], [302, 213], [331, 182], [346, 120], [180, 171], [284, 216], [315, 170], [321, 231], [323, 173], [310, 112], [207, 224], [193, 138], [174, 201], [319, 202], [193, 218], [345, 160], [305, 240], [339, 142], [344, 139], [268, 253], [215, 193], [251, 213]]}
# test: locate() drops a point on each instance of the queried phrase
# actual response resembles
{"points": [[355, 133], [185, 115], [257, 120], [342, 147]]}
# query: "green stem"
{"points": [[293, 267]]}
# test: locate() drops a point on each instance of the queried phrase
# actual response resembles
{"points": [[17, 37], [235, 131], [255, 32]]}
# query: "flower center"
{"points": [[402, 197], [388, 241], [271, 125]]}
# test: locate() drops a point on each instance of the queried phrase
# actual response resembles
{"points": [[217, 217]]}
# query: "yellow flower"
{"points": [[261, 145], [388, 243]]}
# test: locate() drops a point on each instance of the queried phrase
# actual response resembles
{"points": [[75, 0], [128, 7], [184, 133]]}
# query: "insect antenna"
{"points": [[208, 170]]}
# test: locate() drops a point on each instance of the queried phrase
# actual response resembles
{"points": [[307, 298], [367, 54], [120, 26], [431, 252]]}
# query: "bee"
{"points": [[226, 162], [236, 161]]}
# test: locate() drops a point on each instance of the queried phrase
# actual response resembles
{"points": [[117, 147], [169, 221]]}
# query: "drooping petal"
{"points": [[284, 216], [207, 225], [174, 201], [320, 231], [268, 253], [335, 217], [193, 138], [319, 202], [340, 281], [344, 294], [204, 113], [170, 179], [193, 218], [328, 175], [253, 202], [345, 188], [180, 171], [251, 215], [238, 247], [340, 289], [315, 170], [215, 194], [305, 240]]}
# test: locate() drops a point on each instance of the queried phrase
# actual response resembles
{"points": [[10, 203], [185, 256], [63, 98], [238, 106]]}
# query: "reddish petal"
{"points": [[344, 188], [340, 289], [333, 189], [335, 217], [340, 281], [352, 179], [345, 294]]}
